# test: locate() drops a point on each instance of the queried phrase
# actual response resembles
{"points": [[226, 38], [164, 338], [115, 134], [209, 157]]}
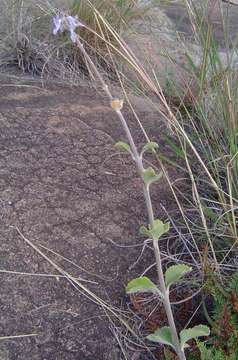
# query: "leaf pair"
{"points": [[149, 175], [150, 146], [164, 335], [172, 275]]}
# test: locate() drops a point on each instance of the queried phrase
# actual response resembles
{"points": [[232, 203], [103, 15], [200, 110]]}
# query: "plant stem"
{"points": [[140, 168], [166, 302]]}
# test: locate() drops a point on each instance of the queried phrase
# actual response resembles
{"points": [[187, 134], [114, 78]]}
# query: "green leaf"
{"points": [[158, 229], [175, 272], [121, 145], [150, 146], [162, 336], [155, 232], [141, 284], [149, 176], [193, 333], [144, 231]]}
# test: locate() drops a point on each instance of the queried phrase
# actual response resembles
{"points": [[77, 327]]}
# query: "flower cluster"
{"points": [[66, 23]]}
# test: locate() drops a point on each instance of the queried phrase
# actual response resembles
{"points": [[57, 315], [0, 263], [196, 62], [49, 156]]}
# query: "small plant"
{"points": [[213, 353], [172, 275], [224, 321], [167, 335]]}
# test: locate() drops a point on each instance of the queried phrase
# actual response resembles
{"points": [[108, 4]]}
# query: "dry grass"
{"points": [[28, 44]]}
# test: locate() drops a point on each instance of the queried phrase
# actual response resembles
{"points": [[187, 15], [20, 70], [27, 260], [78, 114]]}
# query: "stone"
{"points": [[164, 44], [65, 201]]}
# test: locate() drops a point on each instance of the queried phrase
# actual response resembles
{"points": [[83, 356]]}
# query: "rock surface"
{"points": [[163, 40], [64, 186]]}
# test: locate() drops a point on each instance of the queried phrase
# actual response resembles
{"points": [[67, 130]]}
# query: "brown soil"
{"points": [[63, 185]]}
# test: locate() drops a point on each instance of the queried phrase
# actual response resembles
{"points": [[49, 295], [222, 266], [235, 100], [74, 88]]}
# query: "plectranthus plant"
{"points": [[166, 335]]}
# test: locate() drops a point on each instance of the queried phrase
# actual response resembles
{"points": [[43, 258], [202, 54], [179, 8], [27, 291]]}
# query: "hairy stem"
{"points": [[140, 168]]}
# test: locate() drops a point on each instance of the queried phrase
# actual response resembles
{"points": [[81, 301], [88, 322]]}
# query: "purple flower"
{"points": [[57, 24], [69, 23]]}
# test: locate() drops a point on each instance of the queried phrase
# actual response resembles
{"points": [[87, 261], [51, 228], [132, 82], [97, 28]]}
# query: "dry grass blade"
{"points": [[17, 336], [80, 287]]}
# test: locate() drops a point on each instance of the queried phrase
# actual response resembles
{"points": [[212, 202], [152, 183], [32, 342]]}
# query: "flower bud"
{"points": [[117, 104]]}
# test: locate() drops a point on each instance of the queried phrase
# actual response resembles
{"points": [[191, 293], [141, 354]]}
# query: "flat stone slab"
{"points": [[66, 188]]}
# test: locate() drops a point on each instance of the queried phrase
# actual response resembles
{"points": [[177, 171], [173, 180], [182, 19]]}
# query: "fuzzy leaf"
{"points": [[193, 333], [162, 336], [175, 272], [155, 232], [149, 176], [144, 231], [150, 146], [121, 145], [141, 284], [158, 229]]}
